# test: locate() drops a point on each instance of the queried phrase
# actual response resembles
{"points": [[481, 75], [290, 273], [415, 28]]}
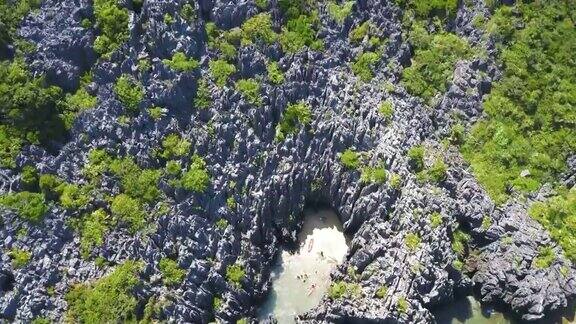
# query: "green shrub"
{"points": [[545, 258], [530, 117], [460, 242], [221, 71], [558, 216], [20, 257], [386, 109], [168, 19], [107, 300], [235, 274], [262, 4], [299, 32], [340, 12], [75, 103], [412, 241], [486, 222], [231, 203], [136, 182], [50, 186], [93, 229], [381, 292], [426, 8], [373, 174], [433, 65], [11, 14], [395, 181], [222, 224], [350, 159], [29, 206], [341, 289], [437, 171], [457, 133], [175, 146], [294, 116], [357, 34], [250, 90], [112, 21], [41, 320], [258, 28], [203, 98], [173, 168], [435, 219], [29, 178], [172, 274], [129, 211], [275, 75], [187, 12], [73, 196], [416, 158], [217, 303], [365, 65], [197, 178], [156, 113], [129, 92], [402, 305], [181, 63]]}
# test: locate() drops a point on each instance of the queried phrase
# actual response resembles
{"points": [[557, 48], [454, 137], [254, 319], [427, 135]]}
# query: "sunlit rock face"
{"points": [[273, 180]]}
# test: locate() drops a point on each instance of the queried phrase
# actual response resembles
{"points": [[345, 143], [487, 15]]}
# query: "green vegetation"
{"points": [[275, 75], [93, 229], [386, 109], [412, 241], [231, 203], [426, 8], [416, 158], [181, 63], [235, 274], [136, 182], [460, 242], [262, 4], [217, 303], [365, 65], [222, 224], [29, 178], [350, 159], [294, 116], [258, 29], [29, 206], [129, 92], [112, 21], [381, 292], [250, 90], [109, 299], [530, 128], [197, 178], [188, 13], [223, 41], [357, 34], [75, 103], [402, 305], [28, 111], [545, 258], [20, 257], [435, 219], [341, 289], [221, 71], [156, 113], [433, 64], [558, 216], [373, 174], [437, 171], [486, 222], [300, 28], [203, 98], [340, 12], [174, 146], [73, 196], [395, 181], [172, 274], [129, 211]]}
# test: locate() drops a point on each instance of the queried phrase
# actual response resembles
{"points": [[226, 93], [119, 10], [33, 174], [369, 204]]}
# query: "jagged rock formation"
{"points": [[275, 179]]}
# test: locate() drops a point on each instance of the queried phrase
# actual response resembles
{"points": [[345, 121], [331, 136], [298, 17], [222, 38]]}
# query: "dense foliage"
{"points": [[301, 26], [235, 273], [295, 115], [197, 178], [530, 128], [365, 64], [110, 299], [250, 90], [426, 8], [180, 62], [129, 92], [112, 20], [30, 206], [221, 71], [172, 274], [350, 159], [340, 12]]}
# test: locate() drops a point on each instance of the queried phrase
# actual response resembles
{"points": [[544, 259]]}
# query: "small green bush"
{"points": [[350, 159], [294, 116], [203, 98], [545, 258], [172, 274], [365, 65], [50, 186], [340, 12], [29, 178], [262, 4], [29, 206], [174, 146], [460, 242], [381, 292], [426, 8], [486, 222], [197, 178], [386, 109], [258, 28], [341, 289], [300, 32], [416, 158], [222, 224], [402, 305], [112, 21], [235, 274], [373, 175], [136, 182], [129, 92], [437, 172], [180, 62], [75, 103], [412, 241], [92, 231], [357, 34], [129, 211], [275, 75], [221, 71], [173, 168], [188, 13], [109, 299], [231, 203], [156, 113], [217, 303], [20, 257], [435, 219], [73, 196], [395, 181], [250, 90]]}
